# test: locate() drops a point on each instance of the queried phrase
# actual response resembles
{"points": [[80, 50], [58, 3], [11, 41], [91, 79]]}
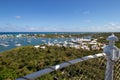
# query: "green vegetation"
{"points": [[25, 60], [58, 35], [21, 61]]}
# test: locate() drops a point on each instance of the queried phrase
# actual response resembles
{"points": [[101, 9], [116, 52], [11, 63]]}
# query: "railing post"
{"points": [[112, 55]]}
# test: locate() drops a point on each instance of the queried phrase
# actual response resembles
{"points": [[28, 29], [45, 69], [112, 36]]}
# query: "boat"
{"points": [[3, 44], [18, 44]]}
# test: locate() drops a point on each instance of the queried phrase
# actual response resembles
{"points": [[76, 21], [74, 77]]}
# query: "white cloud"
{"points": [[105, 28], [41, 29], [109, 27], [18, 17], [112, 24], [32, 29]]}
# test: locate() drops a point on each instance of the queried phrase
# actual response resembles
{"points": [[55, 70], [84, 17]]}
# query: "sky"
{"points": [[59, 15]]}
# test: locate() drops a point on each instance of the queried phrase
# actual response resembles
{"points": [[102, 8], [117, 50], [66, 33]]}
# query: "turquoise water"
{"points": [[11, 42], [47, 32]]}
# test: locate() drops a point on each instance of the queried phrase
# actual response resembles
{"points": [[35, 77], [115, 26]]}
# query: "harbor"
{"points": [[10, 41]]}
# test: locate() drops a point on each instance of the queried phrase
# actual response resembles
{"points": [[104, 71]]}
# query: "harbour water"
{"points": [[9, 43], [13, 42]]}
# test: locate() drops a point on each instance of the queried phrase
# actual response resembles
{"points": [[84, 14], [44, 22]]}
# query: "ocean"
{"points": [[46, 32]]}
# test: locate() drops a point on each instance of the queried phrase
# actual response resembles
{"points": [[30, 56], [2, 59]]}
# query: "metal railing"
{"points": [[36, 75], [111, 52], [116, 73]]}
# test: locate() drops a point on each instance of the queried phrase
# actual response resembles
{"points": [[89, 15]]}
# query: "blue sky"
{"points": [[59, 15]]}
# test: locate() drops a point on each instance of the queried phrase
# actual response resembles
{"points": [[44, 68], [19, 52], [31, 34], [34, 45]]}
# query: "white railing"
{"points": [[111, 52], [37, 74]]}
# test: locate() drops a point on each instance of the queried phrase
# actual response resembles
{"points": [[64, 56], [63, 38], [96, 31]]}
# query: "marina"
{"points": [[11, 41], [7, 43]]}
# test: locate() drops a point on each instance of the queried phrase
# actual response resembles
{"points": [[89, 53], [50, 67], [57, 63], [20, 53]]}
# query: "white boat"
{"points": [[3, 44], [37, 46], [43, 40], [17, 44]]}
